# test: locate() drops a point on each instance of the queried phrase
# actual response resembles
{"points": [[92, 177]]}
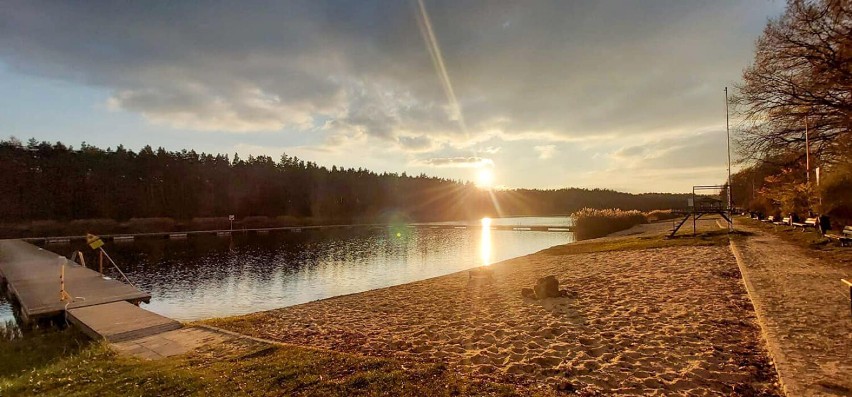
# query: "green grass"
{"points": [[63, 363], [706, 238]]}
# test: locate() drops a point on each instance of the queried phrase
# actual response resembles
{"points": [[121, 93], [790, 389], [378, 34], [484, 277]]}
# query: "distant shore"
{"points": [[643, 314]]}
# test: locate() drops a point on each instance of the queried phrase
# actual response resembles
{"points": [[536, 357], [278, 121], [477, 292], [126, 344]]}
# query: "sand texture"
{"points": [[804, 310], [666, 321]]}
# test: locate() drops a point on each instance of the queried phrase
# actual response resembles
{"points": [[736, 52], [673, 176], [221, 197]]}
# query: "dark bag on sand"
{"points": [[547, 287]]}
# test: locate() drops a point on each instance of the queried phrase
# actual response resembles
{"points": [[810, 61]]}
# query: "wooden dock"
{"points": [[31, 275], [119, 321], [101, 307]]}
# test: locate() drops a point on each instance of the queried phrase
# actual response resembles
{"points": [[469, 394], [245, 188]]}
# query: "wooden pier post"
{"points": [[63, 296]]}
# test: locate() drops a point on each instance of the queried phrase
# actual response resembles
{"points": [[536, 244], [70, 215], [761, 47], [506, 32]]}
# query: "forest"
{"points": [[52, 181], [795, 104]]}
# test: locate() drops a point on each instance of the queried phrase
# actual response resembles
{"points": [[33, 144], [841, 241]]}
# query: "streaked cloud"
{"points": [[459, 162]]}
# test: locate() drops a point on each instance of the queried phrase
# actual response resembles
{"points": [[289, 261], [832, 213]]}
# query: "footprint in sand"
{"points": [[546, 361]]}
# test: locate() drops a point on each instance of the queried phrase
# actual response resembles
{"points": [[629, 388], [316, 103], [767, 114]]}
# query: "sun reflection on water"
{"points": [[485, 242]]}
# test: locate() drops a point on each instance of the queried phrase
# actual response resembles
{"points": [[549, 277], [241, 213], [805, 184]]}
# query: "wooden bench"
{"points": [[769, 219], [845, 236], [810, 222], [784, 221]]}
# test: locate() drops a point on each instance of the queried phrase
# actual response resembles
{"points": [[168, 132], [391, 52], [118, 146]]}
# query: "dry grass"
{"points": [[64, 363], [707, 238], [150, 225], [593, 223], [661, 215]]}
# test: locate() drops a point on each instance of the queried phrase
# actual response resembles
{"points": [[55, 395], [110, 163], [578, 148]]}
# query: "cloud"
{"points": [[417, 143], [698, 150], [630, 152], [545, 151], [631, 92], [458, 162], [610, 68]]}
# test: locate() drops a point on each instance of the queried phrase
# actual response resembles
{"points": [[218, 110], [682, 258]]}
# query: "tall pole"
{"points": [[730, 187], [807, 152]]}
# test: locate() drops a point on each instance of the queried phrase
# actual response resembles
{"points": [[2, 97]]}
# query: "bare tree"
{"points": [[801, 79]]}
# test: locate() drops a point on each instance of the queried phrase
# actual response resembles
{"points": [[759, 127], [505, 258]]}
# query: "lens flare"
{"points": [[434, 49], [485, 242]]}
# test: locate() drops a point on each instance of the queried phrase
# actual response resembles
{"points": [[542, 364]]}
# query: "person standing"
{"points": [[824, 224]]}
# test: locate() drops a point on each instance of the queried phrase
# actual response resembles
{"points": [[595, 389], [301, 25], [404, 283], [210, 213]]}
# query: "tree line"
{"points": [[795, 104], [52, 181]]}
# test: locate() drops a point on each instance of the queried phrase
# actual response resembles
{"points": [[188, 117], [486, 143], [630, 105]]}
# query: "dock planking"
{"points": [[119, 322], [31, 275]]}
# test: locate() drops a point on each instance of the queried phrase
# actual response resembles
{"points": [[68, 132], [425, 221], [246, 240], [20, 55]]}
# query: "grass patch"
{"points": [[702, 239], [63, 363], [38, 349]]}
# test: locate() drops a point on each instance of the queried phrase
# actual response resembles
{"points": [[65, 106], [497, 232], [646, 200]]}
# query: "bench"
{"points": [[768, 219], [784, 221], [845, 236], [810, 222]]}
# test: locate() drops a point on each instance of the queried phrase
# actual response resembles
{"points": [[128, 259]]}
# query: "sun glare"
{"points": [[485, 178], [485, 242]]}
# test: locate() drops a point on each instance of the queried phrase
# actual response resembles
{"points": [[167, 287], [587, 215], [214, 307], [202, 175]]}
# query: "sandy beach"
{"points": [[664, 321]]}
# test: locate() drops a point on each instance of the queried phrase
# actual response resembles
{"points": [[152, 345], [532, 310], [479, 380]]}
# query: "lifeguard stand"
{"points": [[703, 202]]}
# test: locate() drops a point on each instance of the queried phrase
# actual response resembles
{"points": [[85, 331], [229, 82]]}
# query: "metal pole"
{"points": [[694, 219], [730, 187], [116, 267]]}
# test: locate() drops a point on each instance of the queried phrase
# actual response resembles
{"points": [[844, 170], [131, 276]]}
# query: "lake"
{"points": [[209, 276]]}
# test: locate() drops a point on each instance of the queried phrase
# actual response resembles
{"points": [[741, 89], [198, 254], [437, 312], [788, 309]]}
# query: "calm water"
{"points": [[209, 276], [522, 221]]}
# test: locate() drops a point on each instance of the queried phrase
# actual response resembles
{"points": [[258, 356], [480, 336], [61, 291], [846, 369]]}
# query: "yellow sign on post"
{"points": [[94, 241]]}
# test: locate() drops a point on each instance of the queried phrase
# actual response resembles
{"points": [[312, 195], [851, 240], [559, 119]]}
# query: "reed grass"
{"points": [[593, 223], [661, 215]]}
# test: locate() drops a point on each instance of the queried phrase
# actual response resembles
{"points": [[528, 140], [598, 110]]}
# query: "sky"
{"points": [[542, 94]]}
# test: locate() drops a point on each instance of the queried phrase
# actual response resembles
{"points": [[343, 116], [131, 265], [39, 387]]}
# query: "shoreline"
{"points": [[635, 320], [641, 318]]}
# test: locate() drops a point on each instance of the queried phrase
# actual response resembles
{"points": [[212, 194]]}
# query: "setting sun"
{"points": [[485, 178]]}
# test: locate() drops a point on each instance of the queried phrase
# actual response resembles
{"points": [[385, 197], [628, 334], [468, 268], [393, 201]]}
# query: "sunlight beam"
{"points": [[485, 242], [431, 42]]}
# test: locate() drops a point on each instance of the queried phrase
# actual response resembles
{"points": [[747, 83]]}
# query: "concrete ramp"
{"points": [[119, 321]]}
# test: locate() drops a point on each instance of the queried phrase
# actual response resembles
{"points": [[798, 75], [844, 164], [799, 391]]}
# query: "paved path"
{"points": [[171, 343], [804, 313], [119, 321]]}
